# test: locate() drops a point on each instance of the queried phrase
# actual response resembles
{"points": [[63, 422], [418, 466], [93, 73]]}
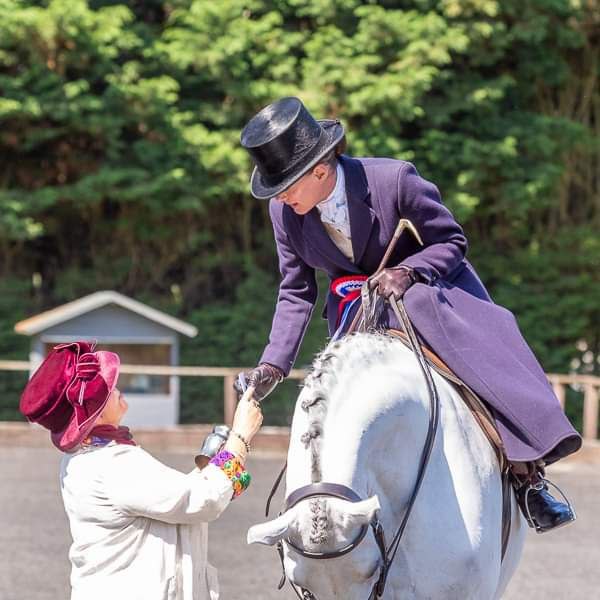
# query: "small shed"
{"points": [[141, 335]]}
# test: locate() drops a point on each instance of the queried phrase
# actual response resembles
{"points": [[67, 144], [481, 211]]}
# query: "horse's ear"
{"points": [[360, 513], [270, 532]]}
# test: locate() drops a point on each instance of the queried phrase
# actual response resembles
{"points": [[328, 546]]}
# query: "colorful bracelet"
{"points": [[234, 469]]}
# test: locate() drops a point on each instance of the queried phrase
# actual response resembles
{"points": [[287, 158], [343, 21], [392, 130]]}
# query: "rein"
{"points": [[388, 553], [366, 318]]}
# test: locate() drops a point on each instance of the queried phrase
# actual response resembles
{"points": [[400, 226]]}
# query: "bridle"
{"points": [[333, 490], [343, 492]]}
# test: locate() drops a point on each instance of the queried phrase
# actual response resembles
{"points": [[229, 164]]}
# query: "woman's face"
{"points": [[310, 189], [115, 409]]}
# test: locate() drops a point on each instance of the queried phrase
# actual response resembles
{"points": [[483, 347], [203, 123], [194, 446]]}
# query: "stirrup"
{"points": [[538, 486]]}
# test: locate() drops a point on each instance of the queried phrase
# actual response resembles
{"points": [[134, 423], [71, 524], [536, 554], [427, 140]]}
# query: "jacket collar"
{"points": [[362, 217], [317, 238], [360, 214]]}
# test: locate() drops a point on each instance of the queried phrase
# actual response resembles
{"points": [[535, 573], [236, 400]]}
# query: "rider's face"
{"points": [[310, 189]]}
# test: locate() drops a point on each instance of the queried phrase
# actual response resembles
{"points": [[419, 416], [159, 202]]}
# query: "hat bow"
{"points": [[86, 368]]}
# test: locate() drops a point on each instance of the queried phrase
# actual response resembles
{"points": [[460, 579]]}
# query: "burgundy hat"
{"points": [[69, 391]]}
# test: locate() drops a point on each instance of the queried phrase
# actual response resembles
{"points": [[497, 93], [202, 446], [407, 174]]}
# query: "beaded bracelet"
{"points": [[234, 469], [240, 437]]}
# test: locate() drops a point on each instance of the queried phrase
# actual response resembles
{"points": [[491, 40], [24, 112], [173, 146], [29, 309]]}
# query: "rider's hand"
{"points": [[393, 282], [263, 379]]}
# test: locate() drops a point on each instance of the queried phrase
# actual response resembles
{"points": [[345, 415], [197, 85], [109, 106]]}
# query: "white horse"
{"points": [[361, 421]]}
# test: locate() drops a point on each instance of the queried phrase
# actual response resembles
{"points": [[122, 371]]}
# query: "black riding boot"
{"points": [[542, 511]]}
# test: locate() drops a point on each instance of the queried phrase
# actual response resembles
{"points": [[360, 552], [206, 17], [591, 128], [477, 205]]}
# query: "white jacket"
{"points": [[139, 527]]}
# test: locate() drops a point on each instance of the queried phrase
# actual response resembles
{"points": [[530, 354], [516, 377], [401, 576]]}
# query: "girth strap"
{"points": [[507, 494]]}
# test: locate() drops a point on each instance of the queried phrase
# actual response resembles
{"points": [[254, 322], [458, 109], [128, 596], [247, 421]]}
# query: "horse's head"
{"points": [[333, 441], [326, 526]]}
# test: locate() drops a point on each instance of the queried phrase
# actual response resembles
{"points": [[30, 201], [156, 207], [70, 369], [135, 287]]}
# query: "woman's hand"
{"points": [[248, 416], [246, 422]]}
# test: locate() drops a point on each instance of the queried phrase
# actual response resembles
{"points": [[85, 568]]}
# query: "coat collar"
{"points": [[362, 217], [317, 238], [360, 214]]}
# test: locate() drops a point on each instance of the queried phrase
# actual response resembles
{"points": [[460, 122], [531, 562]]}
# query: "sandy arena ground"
{"points": [[34, 535]]}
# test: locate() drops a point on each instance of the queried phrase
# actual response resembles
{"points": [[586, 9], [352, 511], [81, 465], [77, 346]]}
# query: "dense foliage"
{"points": [[121, 167]]}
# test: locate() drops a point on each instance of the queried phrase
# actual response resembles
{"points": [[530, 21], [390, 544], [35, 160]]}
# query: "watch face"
{"points": [[222, 430]]}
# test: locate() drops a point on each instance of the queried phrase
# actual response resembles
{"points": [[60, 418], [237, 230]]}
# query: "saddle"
{"points": [[486, 421]]}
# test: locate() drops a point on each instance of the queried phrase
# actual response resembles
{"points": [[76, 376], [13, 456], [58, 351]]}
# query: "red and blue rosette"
{"points": [[348, 289]]}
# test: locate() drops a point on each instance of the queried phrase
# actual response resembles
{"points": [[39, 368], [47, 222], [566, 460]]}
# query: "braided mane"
{"points": [[338, 360]]}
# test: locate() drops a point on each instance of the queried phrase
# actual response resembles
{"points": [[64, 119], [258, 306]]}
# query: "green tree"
{"points": [[121, 166]]}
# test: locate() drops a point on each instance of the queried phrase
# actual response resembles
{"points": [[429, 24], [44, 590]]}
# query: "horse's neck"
{"points": [[368, 434], [358, 416], [365, 426]]}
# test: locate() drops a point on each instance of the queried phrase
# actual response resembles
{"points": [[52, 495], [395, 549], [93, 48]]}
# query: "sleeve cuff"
{"points": [[421, 274], [217, 477]]}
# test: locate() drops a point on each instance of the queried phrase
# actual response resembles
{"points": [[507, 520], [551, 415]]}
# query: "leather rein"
{"points": [[335, 490], [366, 318]]}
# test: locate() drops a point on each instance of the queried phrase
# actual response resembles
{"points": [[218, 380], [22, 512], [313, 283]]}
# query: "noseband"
{"points": [[333, 490], [343, 492]]}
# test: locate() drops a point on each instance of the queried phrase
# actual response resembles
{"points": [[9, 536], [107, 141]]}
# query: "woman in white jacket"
{"points": [[139, 527]]}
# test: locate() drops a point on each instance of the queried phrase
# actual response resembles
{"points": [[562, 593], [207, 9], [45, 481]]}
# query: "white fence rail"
{"points": [[588, 384], [227, 373]]}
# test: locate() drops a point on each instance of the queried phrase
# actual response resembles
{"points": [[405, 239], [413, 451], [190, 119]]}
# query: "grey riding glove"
{"points": [[263, 378]]}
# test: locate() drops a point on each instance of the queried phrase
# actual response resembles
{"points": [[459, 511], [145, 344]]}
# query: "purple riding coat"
{"points": [[452, 311]]}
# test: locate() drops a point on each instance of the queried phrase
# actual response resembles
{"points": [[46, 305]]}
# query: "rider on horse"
{"points": [[338, 214]]}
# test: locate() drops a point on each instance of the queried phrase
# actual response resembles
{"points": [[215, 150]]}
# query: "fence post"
{"points": [[590, 412], [559, 390], [229, 399]]}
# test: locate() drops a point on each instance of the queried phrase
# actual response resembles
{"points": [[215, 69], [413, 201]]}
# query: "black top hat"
{"points": [[285, 141]]}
